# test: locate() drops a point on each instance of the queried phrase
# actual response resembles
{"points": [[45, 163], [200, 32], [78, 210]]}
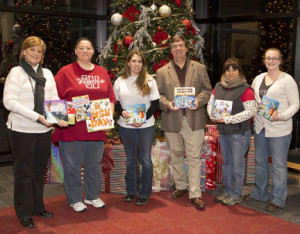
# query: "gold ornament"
{"points": [[164, 11], [153, 44]]}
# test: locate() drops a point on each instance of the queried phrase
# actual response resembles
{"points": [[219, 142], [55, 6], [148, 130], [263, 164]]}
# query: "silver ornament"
{"points": [[116, 19], [153, 7]]}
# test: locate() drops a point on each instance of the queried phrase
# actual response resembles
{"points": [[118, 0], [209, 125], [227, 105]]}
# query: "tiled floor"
{"points": [[291, 212]]}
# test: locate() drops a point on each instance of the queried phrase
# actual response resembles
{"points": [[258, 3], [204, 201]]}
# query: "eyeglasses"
{"points": [[272, 59], [180, 46]]}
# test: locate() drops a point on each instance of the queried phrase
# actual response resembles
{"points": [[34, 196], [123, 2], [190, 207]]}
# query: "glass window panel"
{"points": [[75, 6], [248, 42], [221, 8], [59, 33]]}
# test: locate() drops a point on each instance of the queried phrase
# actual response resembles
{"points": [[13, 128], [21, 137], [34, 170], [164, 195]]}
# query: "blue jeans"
{"points": [[138, 142], [278, 147], [73, 153], [233, 149]]}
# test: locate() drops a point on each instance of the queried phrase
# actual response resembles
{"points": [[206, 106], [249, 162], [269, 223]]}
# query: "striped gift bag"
{"points": [[113, 181]]}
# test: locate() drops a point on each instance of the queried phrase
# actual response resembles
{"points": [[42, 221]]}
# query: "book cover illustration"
{"points": [[221, 108], [267, 107], [71, 113], [55, 110], [184, 97], [101, 116], [82, 107], [137, 113]]}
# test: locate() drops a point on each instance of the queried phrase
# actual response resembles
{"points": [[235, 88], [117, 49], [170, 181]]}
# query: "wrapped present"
{"points": [[250, 164], [54, 171], [57, 171], [208, 164], [160, 156], [47, 175], [211, 130], [208, 153], [113, 174]]}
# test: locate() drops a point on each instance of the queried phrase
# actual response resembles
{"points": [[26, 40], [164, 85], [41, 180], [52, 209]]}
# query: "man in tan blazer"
{"points": [[184, 128]]}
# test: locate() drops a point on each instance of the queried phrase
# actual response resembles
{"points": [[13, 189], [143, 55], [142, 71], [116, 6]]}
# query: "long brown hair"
{"points": [[142, 79]]}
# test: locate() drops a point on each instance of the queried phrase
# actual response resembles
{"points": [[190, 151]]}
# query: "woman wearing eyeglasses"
{"points": [[273, 136]]}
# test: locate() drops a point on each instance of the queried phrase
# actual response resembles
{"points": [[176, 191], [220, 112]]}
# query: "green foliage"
{"points": [[150, 33]]}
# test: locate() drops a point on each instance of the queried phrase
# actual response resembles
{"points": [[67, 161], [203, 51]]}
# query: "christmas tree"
{"points": [[274, 34], [148, 26], [54, 31]]}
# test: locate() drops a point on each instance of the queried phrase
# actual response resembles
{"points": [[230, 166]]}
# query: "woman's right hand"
{"points": [[43, 121], [124, 114]]}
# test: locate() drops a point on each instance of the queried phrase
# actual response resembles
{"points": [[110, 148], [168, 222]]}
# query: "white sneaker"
{"points": [[78, 206], [97, 203]]}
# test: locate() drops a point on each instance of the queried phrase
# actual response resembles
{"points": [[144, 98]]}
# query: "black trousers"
{"points": [[30, 152]]}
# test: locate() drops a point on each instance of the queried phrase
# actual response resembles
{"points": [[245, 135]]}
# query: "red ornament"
{"points": [[158, 28], [187, 23], [115, 59], [128, 40]]}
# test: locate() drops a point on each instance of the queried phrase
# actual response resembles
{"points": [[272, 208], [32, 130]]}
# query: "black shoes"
{"points": [[27, 223], [140, 201], [45, 214], [129, 197]]}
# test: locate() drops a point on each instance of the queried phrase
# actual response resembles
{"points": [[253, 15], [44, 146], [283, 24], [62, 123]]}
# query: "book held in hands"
{"points": [[101, 117], [221, 108], [55, 110], [184, 97], [82, 107], [137, 113], [71, 113], [267, 107]]}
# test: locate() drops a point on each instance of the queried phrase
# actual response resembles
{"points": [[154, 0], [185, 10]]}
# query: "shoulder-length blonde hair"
{"points": [[142, 79], [31, 42]]}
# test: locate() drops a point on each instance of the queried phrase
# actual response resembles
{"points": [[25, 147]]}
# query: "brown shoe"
{"points": [[272, 207], [178, 193], [198, 203]]}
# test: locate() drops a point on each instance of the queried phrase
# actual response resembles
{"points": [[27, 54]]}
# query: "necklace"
{"points": [[31, 85]]}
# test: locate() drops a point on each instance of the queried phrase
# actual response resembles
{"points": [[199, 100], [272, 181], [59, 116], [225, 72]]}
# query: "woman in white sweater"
{"points": [[136, 87], [26, 88], [273, 137]]}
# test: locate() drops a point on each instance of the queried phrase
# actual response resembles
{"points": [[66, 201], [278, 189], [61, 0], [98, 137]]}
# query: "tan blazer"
{"points": [[167, 80]]}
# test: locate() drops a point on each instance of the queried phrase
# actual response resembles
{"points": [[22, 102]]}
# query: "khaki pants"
{"points": [[190, 142]]}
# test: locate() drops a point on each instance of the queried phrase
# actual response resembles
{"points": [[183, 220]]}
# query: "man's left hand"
{"points": [[193, 108]]}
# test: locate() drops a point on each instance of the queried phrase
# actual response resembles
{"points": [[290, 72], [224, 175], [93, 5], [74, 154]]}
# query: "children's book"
{"points": [[82, 107], [267, 107], [184, 97], [71, 113], [137, 113], [55, 110], [221, 108], [101, 117]]}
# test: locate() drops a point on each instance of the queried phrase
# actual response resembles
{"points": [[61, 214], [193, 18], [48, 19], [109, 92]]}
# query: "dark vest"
{"points": [[232, 94]]}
